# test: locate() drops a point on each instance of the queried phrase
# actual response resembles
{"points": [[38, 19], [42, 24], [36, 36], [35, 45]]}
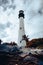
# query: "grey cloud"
{"points": [[4, 26], [31, 14], [12, 1], [0, 2], [37, 35], [34, 17], [32, 9], [3, 2], [12, 6], [40, 11], [6, 4], [27, 1], [8, 24], [41, 7], [4, 8], [3, 34]]}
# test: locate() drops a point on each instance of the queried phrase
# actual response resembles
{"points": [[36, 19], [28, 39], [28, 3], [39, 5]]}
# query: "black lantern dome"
{"points": [[21, 13]]}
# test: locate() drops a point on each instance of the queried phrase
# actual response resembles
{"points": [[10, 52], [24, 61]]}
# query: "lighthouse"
{"points": [[21, 41]]}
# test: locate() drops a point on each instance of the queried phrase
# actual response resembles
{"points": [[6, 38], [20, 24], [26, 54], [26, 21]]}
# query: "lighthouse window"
{"points": [[20, 27], [20, 41]]}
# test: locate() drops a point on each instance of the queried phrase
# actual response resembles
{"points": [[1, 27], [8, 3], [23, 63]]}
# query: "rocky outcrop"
{"points": [[35, 43]]}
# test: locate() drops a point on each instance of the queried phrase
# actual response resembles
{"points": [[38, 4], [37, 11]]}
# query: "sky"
{"points": [[9, 22]]}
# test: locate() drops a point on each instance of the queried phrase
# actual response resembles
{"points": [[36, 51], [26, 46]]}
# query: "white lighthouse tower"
{"points": [[21, 42]]}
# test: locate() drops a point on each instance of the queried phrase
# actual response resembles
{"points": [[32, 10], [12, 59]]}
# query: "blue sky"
{"points": [[9, 22]]}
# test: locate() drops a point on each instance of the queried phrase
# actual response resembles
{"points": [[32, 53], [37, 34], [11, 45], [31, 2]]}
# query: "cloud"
{"points": [[7, 4], [3, 26], [9, 22], [33, 18], [3, 34], [3, 2]]}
